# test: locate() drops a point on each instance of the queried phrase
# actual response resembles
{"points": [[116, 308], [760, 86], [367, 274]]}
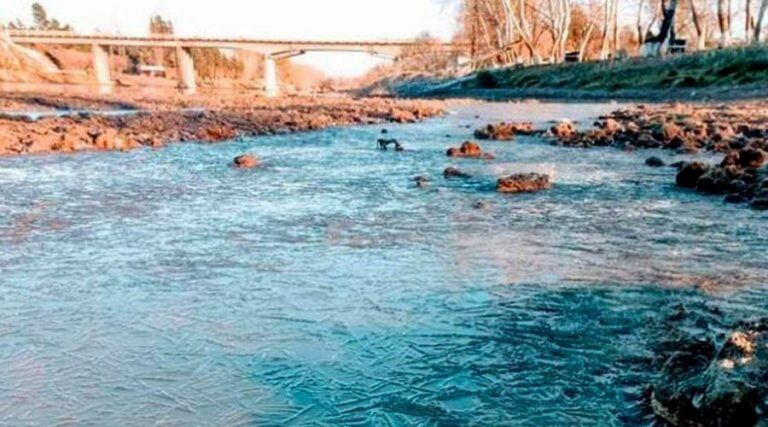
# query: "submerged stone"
{"points": [[654, 162], [523, 183], [453, 172], [246, 161]]}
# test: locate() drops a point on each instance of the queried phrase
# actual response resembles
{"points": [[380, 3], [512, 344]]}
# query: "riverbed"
{"points": [[166, 287]]}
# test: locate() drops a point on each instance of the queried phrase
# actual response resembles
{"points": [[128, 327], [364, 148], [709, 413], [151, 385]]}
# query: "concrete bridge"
{"points": [[271, 50]]}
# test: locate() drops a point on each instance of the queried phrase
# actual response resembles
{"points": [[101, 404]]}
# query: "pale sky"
{"points": [[288, 19]]}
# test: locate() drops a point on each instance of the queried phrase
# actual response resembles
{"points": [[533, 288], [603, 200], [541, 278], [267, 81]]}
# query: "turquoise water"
{"points": [[164, 287]]}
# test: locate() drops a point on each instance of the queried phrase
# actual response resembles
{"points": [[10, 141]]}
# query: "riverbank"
{"points": [[737, 132], [730, 74], [72, 123]]}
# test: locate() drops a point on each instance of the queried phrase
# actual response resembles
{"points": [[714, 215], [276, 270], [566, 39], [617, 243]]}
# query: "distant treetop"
{"points": [[158, 25]]}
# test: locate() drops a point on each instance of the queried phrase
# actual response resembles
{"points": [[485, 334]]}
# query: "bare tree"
{"points": [[520, 21], [759, 24], [748, 21], [724, 21], [585, 40], [609, 12], [657, 45], [700, 24], [558, 16], [639, 25]]}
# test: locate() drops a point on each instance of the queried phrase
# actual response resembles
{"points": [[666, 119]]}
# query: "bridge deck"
{"points": [[69, 38]]}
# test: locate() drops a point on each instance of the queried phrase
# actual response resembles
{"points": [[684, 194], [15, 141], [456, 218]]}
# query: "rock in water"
{"points": [[654, 162], [759, 203], [421, 181], [452, 172], [690, 173], [384, 143], [752, 157], [504, 131], [246, 161], [523, 183], [703, 385], [482, 205], [468, 149], [563, 130]]}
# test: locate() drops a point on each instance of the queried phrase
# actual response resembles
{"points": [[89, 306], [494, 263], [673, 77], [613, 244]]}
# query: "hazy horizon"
{"points": [[285, 19]]}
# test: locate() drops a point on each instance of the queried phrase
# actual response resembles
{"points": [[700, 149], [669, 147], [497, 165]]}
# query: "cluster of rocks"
{"points": [[707, 381], [738, 131], [741, 176], [515, 183], [505, 131], [469, 149], [224, 119]]}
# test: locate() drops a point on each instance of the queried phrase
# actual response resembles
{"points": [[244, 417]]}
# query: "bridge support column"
{"points": [[271, 87], [101, 69], [186, 69]]}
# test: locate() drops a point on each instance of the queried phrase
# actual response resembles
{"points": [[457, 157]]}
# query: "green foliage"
{"points": [[720, 68], [486, 80], [42, 22]]}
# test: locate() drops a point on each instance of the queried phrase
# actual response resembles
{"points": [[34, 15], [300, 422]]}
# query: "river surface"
{"points": [[165, 287]]}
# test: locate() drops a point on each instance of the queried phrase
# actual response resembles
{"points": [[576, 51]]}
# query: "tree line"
{"points": [[504, 32]]}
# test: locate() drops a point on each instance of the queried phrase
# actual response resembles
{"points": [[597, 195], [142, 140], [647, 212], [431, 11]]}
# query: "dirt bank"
{"points": [[162, 118]]}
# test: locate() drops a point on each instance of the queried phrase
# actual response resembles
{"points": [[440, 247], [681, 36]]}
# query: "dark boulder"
{"points": [[654, 162], [453, 172], [384, 143], [703, 385], [690, 173], [752, 158], [731, 159], [714, 181], [759, 203]]}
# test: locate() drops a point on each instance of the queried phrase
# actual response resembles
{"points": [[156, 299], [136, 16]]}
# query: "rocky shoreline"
{"points": [[161, 121], [737, 131], [711, 369]]}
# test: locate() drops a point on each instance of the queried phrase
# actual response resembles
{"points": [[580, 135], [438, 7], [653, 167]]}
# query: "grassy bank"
{"points": [[730, 67], [724, 74]]}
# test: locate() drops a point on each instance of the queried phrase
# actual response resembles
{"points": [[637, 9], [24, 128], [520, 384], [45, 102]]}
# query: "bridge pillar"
{"points": [[101, 69], [186, 70], [271, 87]]}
